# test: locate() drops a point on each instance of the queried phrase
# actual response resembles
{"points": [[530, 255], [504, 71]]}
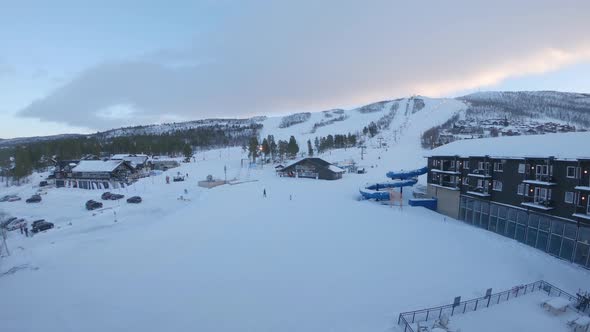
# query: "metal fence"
{"points": [[407, 319]]}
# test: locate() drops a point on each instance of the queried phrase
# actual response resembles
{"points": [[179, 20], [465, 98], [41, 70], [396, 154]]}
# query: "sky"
{"points": [[85, 66]]}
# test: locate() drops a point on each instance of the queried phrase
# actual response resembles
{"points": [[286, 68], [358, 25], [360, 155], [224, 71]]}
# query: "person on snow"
{"points": [[21, 229], [264, 192], [26, 231]]}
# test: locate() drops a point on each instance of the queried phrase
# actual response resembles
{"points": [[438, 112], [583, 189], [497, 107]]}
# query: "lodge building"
{"points": [[542, 201]]}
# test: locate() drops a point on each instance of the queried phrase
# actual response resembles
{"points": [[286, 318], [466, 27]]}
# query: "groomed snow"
{"points": [[562, 146]]}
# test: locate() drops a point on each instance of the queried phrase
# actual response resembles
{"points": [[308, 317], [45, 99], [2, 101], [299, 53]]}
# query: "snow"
{"points": [[542, 183], [524, 313], [336, 169], [557, 303], [97, 166], [561, 146], [308, 257]]}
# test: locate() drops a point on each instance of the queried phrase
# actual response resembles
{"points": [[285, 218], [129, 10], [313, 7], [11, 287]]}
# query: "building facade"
{"points": [[314, 168], [541, 201]]}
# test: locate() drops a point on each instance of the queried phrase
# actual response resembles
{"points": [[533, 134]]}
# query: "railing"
{"points": [[407, 319]]}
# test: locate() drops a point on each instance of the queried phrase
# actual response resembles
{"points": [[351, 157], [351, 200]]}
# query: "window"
{"points": [[466, 164], [452, 164], [480, 183], [480, 165], [497, 185], [520, 189], [569, 197], [521, 168], [499, 166], [465, 180], [573, 172], [542, 170]]}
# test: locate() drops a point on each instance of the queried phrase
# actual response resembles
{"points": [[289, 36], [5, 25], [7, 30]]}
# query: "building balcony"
{"points": [[541, 180], [582, 188], [445, 184], [480, 173], [478, 191], [440, 171], [538, 203]]}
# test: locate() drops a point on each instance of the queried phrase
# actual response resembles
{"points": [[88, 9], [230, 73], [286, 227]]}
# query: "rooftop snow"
{"points": [[562, 146], [97, 166]]}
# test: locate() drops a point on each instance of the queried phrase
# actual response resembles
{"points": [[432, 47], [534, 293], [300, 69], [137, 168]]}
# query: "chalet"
{"points": [[534, 189], [98, 174], [162, 164], [136, 160], [314, 168]]}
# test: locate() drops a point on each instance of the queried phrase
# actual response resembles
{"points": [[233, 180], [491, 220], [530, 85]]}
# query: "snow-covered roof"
{"points": [[336, 169], [561, 146], [136, 159], [97, 165]]}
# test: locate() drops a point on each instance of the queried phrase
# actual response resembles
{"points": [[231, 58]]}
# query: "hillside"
{"points": [[472, 116]]}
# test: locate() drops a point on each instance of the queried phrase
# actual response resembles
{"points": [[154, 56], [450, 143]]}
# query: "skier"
{"points": [[167, 179], [26, 231], [21, 229], [264, 192], [290, 197]]}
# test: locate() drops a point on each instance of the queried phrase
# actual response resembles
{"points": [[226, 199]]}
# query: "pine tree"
{"points": [[187, 151], [253, 148], [292, 147], [265, 147], [282, 147], [316, 143], [309, 149]]}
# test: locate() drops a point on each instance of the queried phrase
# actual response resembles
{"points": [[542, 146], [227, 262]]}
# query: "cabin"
{"points": [[98, 174], [138, 161], [314, 168], [162, 164]]}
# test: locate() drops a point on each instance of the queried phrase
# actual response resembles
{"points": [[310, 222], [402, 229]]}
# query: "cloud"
{"points": [[273, 57]]}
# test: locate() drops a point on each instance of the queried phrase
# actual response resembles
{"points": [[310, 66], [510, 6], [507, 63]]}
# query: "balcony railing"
{"points": [[538, 202]]}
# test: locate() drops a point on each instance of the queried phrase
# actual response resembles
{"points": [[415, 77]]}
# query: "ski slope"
{"points": [[309, 257]]}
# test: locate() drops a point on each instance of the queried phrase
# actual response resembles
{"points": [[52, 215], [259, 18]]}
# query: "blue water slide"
{"points": [[401, 179], [404, 175]]}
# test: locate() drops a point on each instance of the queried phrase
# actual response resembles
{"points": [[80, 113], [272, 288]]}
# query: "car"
{"points": [[9, 198], [106, 196], [6, 222], [34, 199], [93, 205], [115, 197], [36, 222], [43, 184], [178, 178], [16, 224], [134, 200], [41, 225]]}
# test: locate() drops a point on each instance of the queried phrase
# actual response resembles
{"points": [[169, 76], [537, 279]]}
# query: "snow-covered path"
{"points": [[231, 260]]}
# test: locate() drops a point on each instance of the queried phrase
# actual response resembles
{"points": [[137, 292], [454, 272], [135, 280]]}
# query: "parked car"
{"points": [[16, 224], [134, 200], [115, 197], [6, 222], [34, 199], [9, 198], [43, 183], [36, 222], [178, 178], [111, 196], [93, 205], [41, 225]]}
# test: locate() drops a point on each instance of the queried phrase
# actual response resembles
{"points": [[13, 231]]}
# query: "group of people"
{"points": [[24, 230]]}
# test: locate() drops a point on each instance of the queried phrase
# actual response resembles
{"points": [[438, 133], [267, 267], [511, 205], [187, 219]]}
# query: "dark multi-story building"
{"points": [[540, 201]]}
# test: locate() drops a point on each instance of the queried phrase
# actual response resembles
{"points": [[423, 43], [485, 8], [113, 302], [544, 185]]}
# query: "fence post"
{"points": [[413, 316], [476, 303], [517, 290], [427, 313], [525, 287], [399, 318], [499, 296], [489, 299], [464, 307], [508, 295], [453, 311], [440, 313]]}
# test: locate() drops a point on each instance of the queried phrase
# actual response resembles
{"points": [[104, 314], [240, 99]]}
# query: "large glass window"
{"points": [[567, 249], [502, 212], [542, 239], [544, 223], [510, 229], [584, 234], [533, 220], [531, 237], [512, 215], [570, 231], [520, 233], [500, 228], [522, 217], [557, 227], [494, 210], [555, 244], [582, 251], [493, 223]]}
